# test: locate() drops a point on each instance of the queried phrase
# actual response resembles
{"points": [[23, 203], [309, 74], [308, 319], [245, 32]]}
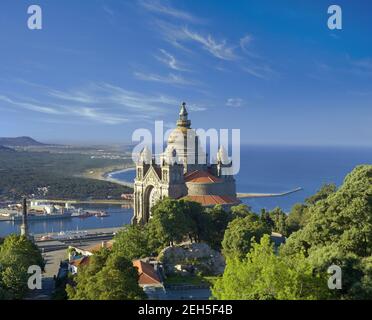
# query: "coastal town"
{"points": [[185, 159]]}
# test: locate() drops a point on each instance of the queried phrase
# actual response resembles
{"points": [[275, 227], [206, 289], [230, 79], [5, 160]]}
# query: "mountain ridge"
{"points": [[22, 141]]}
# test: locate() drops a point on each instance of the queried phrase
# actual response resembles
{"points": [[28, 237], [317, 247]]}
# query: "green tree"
{"points": [[297, 218], [241, 211], [197, 220], [239, 235], [279, 219], [323, 193], [17, 254], [132, 242], [169, 222], [262, 275], [108, 276], [339, 231], [343, 218], [216, 226]]}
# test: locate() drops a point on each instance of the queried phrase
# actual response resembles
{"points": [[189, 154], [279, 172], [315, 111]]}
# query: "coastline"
{"points": [[108, 177], [104, 174]]}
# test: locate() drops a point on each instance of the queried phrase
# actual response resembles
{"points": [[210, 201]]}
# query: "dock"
{"points": [[266, 195]]}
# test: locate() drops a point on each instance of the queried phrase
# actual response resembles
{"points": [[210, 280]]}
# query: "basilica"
{"points": [[179, 173]]}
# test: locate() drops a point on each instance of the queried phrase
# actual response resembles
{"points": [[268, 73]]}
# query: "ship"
{"points": [[42, 216]]}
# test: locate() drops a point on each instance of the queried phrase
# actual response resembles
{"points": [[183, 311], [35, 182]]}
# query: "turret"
{"points": [[223, 161], [183, 121]]}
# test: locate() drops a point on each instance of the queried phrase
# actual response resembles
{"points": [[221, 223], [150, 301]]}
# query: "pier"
{"points": [[266, 195]]}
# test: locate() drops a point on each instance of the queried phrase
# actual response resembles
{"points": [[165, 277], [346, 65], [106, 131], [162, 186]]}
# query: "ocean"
{"points": [[264, 169], [275, 169]]}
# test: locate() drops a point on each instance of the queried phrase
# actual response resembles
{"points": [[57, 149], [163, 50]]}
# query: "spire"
{"points": [[183, 111], [183, 121], [222, 156]]}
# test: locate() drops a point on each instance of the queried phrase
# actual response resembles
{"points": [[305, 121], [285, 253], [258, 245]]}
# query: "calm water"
{"points": [[118, 217], [263, 169], [268, 169]]}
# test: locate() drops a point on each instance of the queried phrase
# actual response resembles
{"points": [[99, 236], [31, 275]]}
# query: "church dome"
{"points": [[183, 139]]}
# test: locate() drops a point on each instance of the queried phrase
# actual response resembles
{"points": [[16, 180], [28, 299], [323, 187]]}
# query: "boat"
{"points": [[42, 216], [82, 214], [102, 214]]}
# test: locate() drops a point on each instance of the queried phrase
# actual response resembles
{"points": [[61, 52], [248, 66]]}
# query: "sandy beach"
{"points": [[106, 174], [108, 177]]}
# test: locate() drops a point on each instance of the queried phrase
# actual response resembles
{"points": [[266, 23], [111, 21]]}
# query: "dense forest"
{"points": [[32, 173]]}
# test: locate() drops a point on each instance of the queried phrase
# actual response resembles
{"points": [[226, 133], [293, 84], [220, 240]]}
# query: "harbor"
{"points": [[87, 217]]}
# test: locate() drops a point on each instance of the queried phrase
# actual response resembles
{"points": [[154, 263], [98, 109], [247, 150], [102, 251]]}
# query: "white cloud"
{"points": [[234, 102], [84, 112], [103, 103], [108, 10], [218, 49], [170, 78], [178, 36], [196, 108], [363, 65], [162, 7], [30, 106], [262, 71], [245, 41], [169, 60]]}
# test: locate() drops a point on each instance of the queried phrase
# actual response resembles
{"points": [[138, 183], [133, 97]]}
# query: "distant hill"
{"points": [[20, 142], [2, 148]]}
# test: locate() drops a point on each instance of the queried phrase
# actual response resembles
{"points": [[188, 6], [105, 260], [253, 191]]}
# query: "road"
{"points": [[54, 252]]}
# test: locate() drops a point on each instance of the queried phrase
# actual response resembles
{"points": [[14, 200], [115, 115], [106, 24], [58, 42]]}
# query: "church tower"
{"points": [[180, 175]]}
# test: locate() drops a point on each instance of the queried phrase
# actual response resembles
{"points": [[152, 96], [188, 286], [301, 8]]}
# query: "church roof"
{"points": [[199, 176], [146, 272], [211, 200]]}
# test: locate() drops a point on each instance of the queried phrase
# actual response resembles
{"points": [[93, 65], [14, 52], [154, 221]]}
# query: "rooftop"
{"points": [[211, 200], [146, 272], [198, 176]]}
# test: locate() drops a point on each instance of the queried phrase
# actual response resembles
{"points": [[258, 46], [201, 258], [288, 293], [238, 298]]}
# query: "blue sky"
{"points": [[100, 69]]}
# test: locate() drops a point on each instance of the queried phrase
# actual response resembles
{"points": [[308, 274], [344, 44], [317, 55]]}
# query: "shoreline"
{"points": [[107, 176], [104, 174]]}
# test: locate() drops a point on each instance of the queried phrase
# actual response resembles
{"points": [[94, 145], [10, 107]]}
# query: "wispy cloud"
{"points": [[30, 106], [219, 49], [164, 8], [99, 102], [245, 41], [196, 107], [67, 110], [363, 65], [170, 60], [108, 10], [235, 102], [261, 71], [179, 36], [170, 78]]}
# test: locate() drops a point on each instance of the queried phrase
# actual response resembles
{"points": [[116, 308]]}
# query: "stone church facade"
{"points": [[179, 175]]}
